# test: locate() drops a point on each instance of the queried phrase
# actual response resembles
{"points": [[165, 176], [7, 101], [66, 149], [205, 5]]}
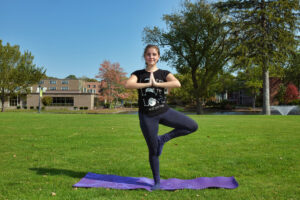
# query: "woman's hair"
{"points": [[151, 46]]}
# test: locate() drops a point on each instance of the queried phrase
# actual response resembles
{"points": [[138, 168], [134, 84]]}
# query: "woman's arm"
{"points": [[172, 82], [132, 83]]}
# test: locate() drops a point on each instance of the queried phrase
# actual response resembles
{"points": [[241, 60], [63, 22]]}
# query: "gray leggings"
{"points": [[182, 125]]}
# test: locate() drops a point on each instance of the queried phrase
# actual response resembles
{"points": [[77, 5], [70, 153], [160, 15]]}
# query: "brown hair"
{"points": [[151, 46]]}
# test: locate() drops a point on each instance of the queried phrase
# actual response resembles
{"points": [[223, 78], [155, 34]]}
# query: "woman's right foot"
{"points": [[160, 145]]}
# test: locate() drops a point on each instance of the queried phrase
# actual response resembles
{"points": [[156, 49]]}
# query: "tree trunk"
{"points": [[266, 92], [253, 101], [199, 108], [2, 100], [266, 85]]}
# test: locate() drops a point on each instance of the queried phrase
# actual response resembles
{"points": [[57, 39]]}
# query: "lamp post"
{"points": [[40, 95]]}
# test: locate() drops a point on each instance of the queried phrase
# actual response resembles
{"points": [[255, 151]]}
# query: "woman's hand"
{"points": [[152, 79]]}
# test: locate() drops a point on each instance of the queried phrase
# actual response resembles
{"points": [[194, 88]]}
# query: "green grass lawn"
{"points": [[45, 153]]}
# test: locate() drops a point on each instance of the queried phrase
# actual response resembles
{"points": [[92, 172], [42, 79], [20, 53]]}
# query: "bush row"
{"points": [[225, 104], [294, 102]]}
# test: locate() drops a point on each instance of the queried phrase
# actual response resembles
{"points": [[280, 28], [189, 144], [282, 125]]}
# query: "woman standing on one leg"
{"points": [[152, 83]]}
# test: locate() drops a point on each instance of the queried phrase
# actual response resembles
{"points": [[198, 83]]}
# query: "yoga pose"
{"points": [[152, 84]]}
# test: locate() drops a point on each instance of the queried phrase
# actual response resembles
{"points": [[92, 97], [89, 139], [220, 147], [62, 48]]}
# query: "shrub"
{"points": [[25, 107], [31, 107], [18, 107], [75, 108], [294, 102], [46, 100], [211, 103], [135, 104], [227, 105], [81, 108], [280, 96], [85, 108], [128, 104], [291, 93]]}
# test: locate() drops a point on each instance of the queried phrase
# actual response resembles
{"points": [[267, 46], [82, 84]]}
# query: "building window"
{"points": [[64, 88], [14, 102], [41, 82], [94, 86], [89, 86], [64, 82], [52, 88], [84, 89], [52, 82], [62, 101]]}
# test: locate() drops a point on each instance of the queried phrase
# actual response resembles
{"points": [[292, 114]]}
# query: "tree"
{"points": [[265, 34], [112, 84], [182, 95], [280, 96], [197, 43], [131, 95], [17, 71], [46, 100], [224, 83], [87, 79], [71, 76], [291, 93], [251, 81], [292, 71]]}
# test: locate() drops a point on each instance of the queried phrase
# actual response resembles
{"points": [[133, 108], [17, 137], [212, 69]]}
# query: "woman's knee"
{"points": [[193, 127]]}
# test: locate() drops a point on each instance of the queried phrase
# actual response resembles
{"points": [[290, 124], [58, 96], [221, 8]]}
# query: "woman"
{"points": [[152, 84]]}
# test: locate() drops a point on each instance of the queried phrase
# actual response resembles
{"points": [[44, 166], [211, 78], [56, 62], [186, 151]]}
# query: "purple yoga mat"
{"points": [[127, 183]]}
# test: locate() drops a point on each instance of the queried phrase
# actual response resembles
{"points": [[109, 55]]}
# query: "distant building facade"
{"points": [[65, 93]]}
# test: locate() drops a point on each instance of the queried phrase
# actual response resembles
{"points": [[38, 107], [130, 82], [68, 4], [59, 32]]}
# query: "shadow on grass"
{"points": [[90, 176], [54, 171]]}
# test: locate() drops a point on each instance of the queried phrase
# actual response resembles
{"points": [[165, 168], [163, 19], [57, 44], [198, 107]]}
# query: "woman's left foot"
{"points": [[156, 186]]}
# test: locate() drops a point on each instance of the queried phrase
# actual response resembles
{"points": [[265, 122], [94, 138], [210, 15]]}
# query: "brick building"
{"points": [[65, 93]]}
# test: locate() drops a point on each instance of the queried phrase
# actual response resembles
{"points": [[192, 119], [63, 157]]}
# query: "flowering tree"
{"points": [[112, 82], [291, 93]]}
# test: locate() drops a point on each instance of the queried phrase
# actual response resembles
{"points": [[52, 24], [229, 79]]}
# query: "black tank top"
{"points": [[152, 100]]}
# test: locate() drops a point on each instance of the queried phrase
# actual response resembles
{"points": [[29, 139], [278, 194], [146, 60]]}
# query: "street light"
{"points": [[40, 95]]}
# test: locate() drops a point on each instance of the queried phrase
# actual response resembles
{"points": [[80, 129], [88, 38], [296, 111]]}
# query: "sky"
{"points": [[76, 36]]}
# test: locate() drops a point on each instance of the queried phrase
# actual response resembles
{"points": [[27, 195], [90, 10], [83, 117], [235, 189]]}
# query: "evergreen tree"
{"points": [[292, 71], [265, 31]]}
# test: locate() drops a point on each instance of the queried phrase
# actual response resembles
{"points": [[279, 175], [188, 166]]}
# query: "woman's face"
{"points": [[151, 56]]}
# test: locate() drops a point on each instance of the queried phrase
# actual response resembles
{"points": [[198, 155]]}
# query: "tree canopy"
{"points": [[112, 85], [265, 34], [17, 71], [196, 42]]}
